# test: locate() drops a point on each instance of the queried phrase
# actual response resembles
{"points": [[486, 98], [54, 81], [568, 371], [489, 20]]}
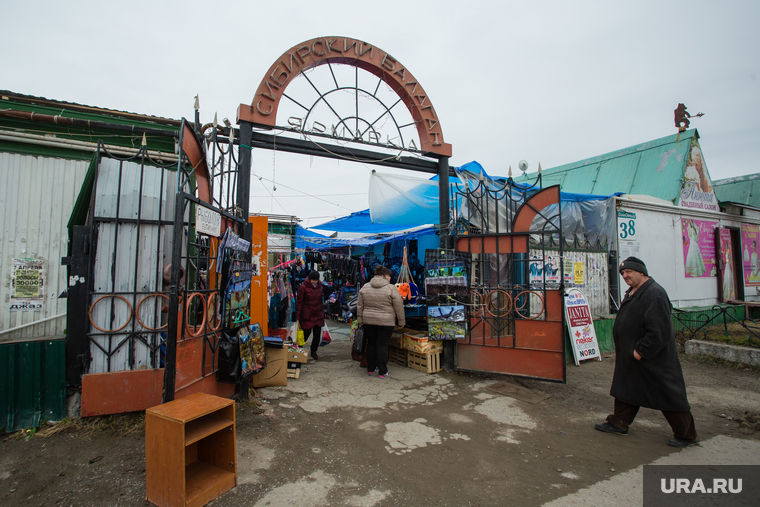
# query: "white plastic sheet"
{"points": [[396, 199]]}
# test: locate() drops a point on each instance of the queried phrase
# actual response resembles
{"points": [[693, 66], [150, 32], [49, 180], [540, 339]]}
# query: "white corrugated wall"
{"points": [[37, 195], [130, 276]]}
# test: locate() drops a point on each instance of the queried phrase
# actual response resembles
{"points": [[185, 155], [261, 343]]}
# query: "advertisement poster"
{"points": [[750, 261], [446, 323], [699, 248], [550, 269], [697, 191], [578, 273], [581, 327], [27, 285], [727, 271]]}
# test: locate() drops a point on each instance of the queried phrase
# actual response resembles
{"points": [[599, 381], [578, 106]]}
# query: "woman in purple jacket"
{"points": [[310, 311]]}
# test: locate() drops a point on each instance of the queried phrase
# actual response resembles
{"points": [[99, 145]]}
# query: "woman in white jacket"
{"points": [[379, 309]]}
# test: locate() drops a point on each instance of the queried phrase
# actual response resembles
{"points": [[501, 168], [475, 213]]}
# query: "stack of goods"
{"points": [[296, 357], [413, 349]]}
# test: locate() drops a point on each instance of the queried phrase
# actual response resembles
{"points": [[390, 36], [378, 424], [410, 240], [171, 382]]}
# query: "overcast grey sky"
{"points": [[549, 82]]}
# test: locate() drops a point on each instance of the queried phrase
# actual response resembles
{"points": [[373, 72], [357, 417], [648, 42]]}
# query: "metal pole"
{"points": [[443, 201], [242, 198], [449, 346], [244, 174], [170, 360]]}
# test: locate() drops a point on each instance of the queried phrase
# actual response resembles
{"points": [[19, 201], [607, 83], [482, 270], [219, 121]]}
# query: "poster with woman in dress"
{"points": [[728, 282], [750, 260], [699, 248]]}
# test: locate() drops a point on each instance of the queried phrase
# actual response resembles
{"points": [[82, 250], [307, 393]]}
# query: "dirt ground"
{"points": [[338, 437]]}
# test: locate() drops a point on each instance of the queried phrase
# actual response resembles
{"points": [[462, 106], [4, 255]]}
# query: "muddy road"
{"points": [[338, 437]]}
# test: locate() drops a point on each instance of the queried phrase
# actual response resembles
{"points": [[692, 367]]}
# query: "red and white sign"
{"points": [[581, 326]]}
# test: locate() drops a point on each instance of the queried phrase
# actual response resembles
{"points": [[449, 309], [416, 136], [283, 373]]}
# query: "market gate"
{"points": [[514, 326], [507, 334], [144, 301]]}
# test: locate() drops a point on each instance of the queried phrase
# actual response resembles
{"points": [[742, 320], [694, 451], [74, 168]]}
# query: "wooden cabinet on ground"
{"points": [[190, 451]]}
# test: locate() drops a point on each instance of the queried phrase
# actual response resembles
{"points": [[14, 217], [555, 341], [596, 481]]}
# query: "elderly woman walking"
{"points": [[379, 309]]}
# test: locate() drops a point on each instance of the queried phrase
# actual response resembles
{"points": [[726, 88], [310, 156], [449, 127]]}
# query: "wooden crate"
{"points": [[294, 372], [426, 363], [397, 355]]}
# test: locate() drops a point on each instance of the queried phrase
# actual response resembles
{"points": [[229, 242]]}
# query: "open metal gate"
{"points": [[514, 327], [144, 302]]}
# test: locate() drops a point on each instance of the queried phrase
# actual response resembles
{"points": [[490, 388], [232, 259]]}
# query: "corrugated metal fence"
{"points": [[32, 383], [37, 196]]}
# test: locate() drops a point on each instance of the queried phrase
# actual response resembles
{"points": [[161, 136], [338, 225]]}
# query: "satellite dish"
{"points": [[523, 165]]}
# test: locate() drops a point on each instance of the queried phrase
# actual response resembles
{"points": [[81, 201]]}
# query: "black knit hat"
{"points": [[634, 264]]}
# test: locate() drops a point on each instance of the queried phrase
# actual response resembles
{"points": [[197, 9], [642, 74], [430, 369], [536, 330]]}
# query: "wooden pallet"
{"points": [[397, 355], [426, 363], [294, 372]]}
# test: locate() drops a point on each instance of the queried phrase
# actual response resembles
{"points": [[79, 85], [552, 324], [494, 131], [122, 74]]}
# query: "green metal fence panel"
{"points": [[696, 316], [32, 383]]}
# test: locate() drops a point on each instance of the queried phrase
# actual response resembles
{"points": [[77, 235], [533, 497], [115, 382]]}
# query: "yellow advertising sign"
{"points": [[27, 283], [578, 271]]}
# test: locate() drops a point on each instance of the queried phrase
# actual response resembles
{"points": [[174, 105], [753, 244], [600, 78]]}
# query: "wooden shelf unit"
{"points": [[190, 456]]}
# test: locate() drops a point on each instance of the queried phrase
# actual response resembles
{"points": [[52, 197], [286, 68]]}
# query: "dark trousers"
{"points": [[377, 338], [682, 423], [315, 340]]}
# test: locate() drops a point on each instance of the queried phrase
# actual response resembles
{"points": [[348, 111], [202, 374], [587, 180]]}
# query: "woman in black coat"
{"points": [[310, 311], [647, 370]]}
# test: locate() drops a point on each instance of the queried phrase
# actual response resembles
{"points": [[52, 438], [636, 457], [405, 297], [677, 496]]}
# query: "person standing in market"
{"points": [[379, 309], [310, 311], [647, 370]]}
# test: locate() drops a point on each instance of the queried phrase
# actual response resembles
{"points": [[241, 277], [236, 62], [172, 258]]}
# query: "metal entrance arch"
{"points": [[517, 335], [432, 156]]}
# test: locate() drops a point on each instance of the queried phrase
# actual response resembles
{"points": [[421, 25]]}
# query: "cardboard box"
{"points": [[297, 357], [275, 373], [419, 343]]}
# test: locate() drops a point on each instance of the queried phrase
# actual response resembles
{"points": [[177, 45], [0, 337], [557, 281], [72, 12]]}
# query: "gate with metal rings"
{"points": [[148, 323], [514, 326]]}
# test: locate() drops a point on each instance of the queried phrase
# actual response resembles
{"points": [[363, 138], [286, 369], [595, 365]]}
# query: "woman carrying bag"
{"points": [[379, 309], [310, 312]]}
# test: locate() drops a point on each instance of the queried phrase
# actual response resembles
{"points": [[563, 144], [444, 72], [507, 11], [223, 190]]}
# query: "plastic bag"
{"points": [[300, 340], [290, 336], [229, 368], [359, 339], [326, 338], [358, 352]]}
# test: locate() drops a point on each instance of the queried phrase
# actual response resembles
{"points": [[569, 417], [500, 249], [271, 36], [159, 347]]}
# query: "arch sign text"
{"points": [[343, 50]]}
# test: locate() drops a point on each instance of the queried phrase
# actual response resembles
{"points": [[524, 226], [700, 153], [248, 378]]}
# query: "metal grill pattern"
{"points": [[197, 295], [500, 291], [131, 212]]}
